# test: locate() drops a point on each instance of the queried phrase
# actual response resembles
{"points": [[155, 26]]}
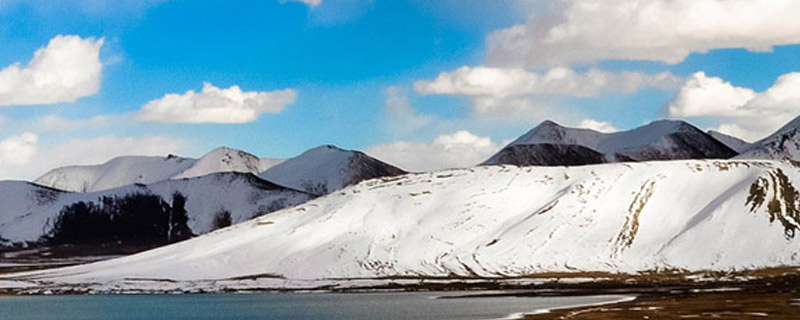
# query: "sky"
{"points": [[421, 84]]}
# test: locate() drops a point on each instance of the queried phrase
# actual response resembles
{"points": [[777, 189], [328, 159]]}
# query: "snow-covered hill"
{"points": [[732, 142], [224, 159], [115, 173], [659, 140], [123, 171], [319, 171], [28, 211], [325, 169], [495, 221], [784, 144]]}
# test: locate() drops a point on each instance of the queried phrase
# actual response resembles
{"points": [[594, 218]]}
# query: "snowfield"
{"points": [[492, 222]]}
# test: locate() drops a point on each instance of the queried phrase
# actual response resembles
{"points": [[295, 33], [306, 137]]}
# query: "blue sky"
{"points": [[346, 60]]}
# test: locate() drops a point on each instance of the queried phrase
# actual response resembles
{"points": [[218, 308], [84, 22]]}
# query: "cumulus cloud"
{"points": [[708, 96], [506, 91], [18, 150], [602, 126], [215, 105], [583, 31], [457, 150], [66, 69], [743, 112], [25, 157]]}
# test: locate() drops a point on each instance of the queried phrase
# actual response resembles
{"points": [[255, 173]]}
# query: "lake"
{"points": [[279, 306]]}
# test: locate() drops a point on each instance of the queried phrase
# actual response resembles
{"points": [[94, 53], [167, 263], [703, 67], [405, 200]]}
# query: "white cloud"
{"points": [[311, 3], [602, 126], [67, 69], [500, 82], [583, 31], [743, 112], [25, 157], [457, 150], [708, 96], [215, 105], [18, 150], [509, 91]]}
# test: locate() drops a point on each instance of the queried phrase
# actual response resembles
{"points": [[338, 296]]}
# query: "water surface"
{"points": [[278, 306]]}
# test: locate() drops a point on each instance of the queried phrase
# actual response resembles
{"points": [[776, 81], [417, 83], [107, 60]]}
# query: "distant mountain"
{"points": [[784, 144], [551, 144], [732, 142], [224, 159], [318, 171], [327, 168], [115, 173], [123, 171], [29, 211]]}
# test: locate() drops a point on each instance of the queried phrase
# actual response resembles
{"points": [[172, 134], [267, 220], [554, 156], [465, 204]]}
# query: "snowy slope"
{"points": [[497, 221], [224, 159], [115, 173], [659, 140], [325, 169], [784, 144], [732, 142], [27, 211]]}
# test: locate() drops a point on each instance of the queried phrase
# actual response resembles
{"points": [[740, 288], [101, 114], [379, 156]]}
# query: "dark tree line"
{"points": [[135, 219]]}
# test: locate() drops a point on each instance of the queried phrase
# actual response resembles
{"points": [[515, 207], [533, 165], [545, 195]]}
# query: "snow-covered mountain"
{"points": [[115, 173], [28, 211], [327, 168], [319, 170], [128, 170], [493, 221], [224, 159], [552, 144], [784, 144], [732, 142]]}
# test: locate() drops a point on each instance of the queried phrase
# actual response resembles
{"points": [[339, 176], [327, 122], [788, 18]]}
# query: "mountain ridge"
{"points": [[658, 140]]}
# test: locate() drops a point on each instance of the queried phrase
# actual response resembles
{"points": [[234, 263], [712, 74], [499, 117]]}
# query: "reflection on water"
{"points": [[278, 306]]}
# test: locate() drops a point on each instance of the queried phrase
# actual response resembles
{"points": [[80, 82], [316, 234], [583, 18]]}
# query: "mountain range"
{"points": [[663, 197], [224, 181], [552, 144]]}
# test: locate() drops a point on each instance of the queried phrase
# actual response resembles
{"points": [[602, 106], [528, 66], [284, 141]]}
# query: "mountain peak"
{"points": [[224, 159], [549, 123], [784, 144], [327, 168], [327, 147]]}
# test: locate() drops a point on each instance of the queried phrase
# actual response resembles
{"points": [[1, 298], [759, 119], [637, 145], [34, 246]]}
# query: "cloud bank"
{"points": [[509, 91], [584, 31]]}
